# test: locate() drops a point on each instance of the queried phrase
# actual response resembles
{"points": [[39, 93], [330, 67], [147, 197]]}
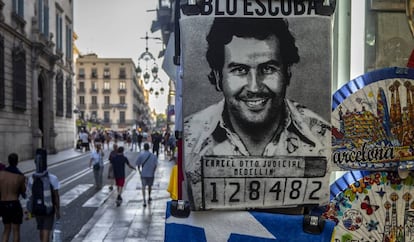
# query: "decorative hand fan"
{"points": [[376, 206], [373, 121]]}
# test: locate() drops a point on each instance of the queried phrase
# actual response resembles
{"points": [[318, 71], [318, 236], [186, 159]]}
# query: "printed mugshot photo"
{"points": [[256, 88]]}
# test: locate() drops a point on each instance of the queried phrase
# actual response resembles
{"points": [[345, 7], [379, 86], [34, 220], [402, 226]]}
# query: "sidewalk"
{"points": [[131, 221], [28, 166]]}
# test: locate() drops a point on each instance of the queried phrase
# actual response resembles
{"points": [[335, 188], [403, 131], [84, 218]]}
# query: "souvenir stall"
{"points": [[230, 192]]}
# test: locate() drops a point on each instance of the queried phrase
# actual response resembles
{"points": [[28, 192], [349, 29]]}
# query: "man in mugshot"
{"points": [[250, 65]]}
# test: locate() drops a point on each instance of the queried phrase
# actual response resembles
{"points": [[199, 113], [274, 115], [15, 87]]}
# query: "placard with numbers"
{"points": [[253, 182]]}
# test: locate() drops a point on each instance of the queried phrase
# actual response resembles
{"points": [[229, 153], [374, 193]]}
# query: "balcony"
{"points": [[122, 91], [81, 90], [82, 106], [106, 121], [107, 76], [122, 76], [106, 91], [93, 90], [81, 76], [93, 106], [106, 106], [120, 105]]}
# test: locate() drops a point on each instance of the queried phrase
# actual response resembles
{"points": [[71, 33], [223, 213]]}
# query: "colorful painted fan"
{"points": [[372, 206], [373, 121]]}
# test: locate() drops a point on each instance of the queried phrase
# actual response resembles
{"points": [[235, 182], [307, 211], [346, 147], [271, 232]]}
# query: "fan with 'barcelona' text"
{"points": [[373, 121], [372, 206]]}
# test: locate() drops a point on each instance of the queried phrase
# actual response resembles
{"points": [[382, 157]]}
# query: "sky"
{"points": [[114, 29]]}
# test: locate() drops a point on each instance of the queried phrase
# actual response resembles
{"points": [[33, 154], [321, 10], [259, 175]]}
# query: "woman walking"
{"points": [[96, 162]]}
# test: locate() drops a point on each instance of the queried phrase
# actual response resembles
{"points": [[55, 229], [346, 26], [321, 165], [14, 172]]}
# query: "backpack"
{"points": [[40, 203]]}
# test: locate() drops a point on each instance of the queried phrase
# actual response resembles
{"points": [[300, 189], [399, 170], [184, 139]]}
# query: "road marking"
{"points": [[99, 198], [74, 193]]}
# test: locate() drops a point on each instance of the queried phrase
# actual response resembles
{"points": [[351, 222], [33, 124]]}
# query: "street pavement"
{"points": [[131, 221]]}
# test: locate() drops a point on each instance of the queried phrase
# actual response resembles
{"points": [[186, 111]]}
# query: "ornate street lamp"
{"points": [[147, 73], [146, 77]]}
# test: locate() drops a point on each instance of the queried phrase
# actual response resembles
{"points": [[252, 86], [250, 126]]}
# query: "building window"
{"points": [[106, 116], [59, 30], [68, 98], [94, 86], [94, 73], [59, 94], [122, 99], [18, 7], [94, 100], [122, 85], [106, 100], [122, 73], [2, 71], [81, 86], [107, 85], [82, 100], [107, 73], [81, 73], [19, 78], [69, 51], [94, 115], [122, 117], [43, 17]]}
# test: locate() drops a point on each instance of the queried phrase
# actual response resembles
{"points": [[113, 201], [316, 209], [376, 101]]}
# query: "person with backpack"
{"points": [[96, 162], [44, 200], [12, 184], [147, 164]]}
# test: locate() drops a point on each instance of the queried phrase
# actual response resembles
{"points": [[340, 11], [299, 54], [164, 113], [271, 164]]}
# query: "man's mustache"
{"points": [[255, 95]]}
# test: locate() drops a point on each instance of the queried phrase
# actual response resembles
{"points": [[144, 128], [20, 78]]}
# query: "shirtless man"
{"points": [[12, 184]]}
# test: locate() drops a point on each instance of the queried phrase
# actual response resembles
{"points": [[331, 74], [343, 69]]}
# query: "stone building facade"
{"points": [[36, 76], [109, 93]]}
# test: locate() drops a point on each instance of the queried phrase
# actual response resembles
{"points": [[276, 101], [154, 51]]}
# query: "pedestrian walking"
{"points": [[111, 177], [96, 162], [172, 144], [147, 164], [84, 136], [118, 166], [139, 140], [44, 200], [156, 142], [12, 185], [134, 140]]}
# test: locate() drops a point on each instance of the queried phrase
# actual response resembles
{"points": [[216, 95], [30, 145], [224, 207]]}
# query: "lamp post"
{"points": [[147, 72], [147, 57]]}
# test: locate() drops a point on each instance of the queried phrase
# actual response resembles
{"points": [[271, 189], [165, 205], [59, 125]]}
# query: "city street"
{"points": [[82, 205]]}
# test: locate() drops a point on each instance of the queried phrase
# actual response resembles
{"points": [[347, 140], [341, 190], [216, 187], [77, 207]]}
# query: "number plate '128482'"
{"points": [[257, 182]]}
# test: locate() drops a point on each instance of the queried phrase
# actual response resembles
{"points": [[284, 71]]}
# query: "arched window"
{"points": [[2, 81], [19, 78], [68, 98], [59, 94]]}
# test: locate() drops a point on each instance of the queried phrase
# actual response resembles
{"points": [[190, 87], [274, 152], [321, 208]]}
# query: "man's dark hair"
{"points": [[13, 159], [146, 146], [222, 32], [120, 149]]}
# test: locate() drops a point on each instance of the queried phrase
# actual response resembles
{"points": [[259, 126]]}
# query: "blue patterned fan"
{"points": [[373, 121], [372, 206]]}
